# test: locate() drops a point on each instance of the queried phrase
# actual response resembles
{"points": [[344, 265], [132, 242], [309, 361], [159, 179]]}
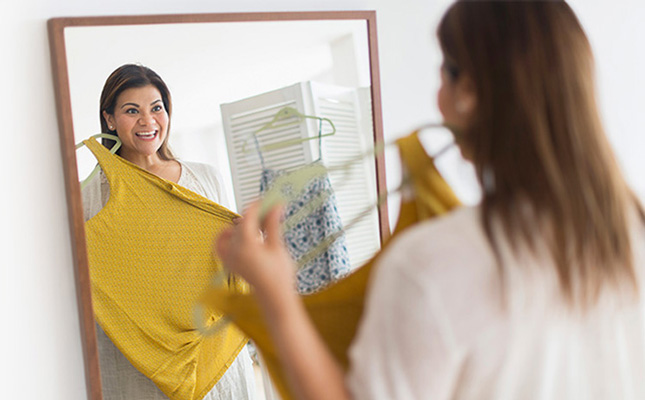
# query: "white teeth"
{"points": [[146, 134]]}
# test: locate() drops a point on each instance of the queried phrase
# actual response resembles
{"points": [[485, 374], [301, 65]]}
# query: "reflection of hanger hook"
{"points": [[113, 150], [289, 113]]}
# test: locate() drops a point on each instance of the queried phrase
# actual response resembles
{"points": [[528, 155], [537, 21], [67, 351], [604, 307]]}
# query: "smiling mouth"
{"points": [[147, 135]]}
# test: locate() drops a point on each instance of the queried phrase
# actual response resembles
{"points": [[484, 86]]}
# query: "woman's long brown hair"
{"points": [[537, 139]]}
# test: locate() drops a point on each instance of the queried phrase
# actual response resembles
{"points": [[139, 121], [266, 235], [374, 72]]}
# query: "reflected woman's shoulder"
{"points": [[94, 195], [208, 177], [201, 170]]}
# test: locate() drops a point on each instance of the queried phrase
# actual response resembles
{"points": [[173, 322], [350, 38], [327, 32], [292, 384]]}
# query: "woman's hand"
{"points": [[311, 370], [265, 264]]}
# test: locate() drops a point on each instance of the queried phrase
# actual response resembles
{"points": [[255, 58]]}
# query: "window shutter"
{"points": [[355, 189]]}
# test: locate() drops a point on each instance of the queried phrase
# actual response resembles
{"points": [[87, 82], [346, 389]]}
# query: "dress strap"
{"points": [[124, 176], [432, 195], [109, 163]]}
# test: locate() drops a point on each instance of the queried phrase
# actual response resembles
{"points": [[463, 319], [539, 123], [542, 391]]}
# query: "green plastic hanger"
{"points": [[287, 187], [113, 150], [286, 113]]}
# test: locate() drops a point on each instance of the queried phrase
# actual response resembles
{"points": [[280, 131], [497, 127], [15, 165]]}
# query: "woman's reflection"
{"points": [[136, 106]]}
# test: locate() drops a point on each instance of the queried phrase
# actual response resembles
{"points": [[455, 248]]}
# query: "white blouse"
{"points": [[120, 379], [442, 322]]}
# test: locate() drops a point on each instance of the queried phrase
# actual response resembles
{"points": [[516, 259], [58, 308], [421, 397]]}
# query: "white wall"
{"points": [[410, 60], [617, 36], [40, 339]]}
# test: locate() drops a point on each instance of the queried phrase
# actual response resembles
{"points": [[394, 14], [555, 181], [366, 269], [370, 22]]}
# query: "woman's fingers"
{"points": [[272, 226], [223, 243], [250, 225]]}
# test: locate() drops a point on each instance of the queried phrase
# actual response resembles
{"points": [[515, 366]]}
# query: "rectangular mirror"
{"points": [[229, 76]]}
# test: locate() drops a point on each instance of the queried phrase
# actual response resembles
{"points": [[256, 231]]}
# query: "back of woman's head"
{"points": [[536, 137], [126, 77]]}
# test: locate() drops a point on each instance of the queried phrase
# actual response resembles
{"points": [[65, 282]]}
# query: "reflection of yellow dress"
{"points": [[150, 259], [336, 310]]}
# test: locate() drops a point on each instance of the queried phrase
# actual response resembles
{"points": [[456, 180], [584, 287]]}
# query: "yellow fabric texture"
{"points": [[150, 259], [336, 310]]}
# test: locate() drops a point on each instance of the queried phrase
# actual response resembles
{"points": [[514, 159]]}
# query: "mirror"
{"points": [[228, 75]]}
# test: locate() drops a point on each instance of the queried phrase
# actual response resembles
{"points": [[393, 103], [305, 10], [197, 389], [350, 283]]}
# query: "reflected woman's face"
{"points": [[140, 120]]}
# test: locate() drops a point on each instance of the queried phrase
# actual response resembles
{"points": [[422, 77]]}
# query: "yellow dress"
{"points": [[150, 259], [336, 311]]}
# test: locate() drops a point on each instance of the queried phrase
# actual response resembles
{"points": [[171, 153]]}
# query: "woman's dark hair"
{"points": [[536, 138], [133, 76]]}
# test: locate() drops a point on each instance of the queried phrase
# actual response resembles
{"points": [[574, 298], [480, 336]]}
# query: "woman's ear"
{"points": [[110, 120]]}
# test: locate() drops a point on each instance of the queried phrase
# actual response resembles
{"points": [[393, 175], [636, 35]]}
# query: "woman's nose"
{"points": [[146, 119]]}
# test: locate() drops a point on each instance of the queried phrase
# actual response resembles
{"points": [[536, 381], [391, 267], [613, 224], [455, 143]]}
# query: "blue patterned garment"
{"points": [[313, 229]]}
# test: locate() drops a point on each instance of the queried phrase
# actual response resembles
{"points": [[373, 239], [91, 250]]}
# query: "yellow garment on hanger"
{"points": [[150, 259], [336, 310]]}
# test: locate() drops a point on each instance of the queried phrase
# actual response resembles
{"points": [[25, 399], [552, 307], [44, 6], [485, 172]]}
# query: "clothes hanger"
{"points": [[113, 150], [299, 179], [289, 113], [287, 187], [327, 241]]}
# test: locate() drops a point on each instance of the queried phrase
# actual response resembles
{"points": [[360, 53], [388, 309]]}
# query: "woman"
{"points": [[136, 106], [534, 293]]}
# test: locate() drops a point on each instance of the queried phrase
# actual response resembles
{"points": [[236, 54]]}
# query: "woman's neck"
{"points": [[167, 169], [149, 162]]}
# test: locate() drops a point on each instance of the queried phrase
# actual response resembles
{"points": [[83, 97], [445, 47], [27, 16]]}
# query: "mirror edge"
{"points": [[56, 27], [377, 124], [56, 32]]}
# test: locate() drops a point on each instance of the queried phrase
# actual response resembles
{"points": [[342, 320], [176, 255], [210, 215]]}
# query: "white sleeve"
{"points": [[92, 196], [224, 198], [210, 179], [401, 350]]}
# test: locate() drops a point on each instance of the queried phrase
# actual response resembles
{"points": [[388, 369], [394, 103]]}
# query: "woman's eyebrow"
{"points": [[156, 101], [129, 104]]}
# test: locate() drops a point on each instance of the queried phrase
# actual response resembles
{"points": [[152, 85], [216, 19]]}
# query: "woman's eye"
{"points": [[157, 108], [131, 111]]}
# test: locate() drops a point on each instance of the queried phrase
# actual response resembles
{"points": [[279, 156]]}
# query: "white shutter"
{"points": [[241, 120], [355, 188]]}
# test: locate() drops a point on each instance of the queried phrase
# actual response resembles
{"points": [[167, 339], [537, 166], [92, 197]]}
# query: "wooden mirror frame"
{"points": [[56, 29]]}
